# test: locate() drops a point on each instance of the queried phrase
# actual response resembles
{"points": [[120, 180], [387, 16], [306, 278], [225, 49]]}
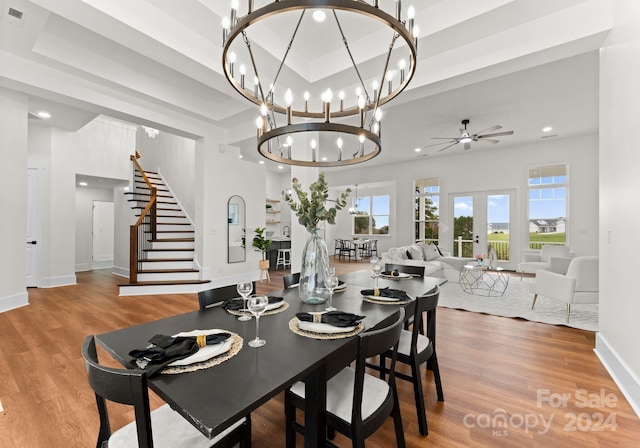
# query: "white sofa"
{"points": [[436, 263]]}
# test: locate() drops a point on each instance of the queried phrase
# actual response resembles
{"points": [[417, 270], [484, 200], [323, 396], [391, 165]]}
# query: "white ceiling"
{"points": [[522, 64]]}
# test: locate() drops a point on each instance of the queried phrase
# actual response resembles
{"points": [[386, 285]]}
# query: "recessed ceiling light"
{"points": [[319, 15], [279, 167], [261, 162], [43, 114], [82, 184], [240, 156], [418, 149], [547, 129], [324, 159], [126, 188]]}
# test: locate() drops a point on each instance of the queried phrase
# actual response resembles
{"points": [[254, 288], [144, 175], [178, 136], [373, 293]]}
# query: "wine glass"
{"points": [[331, 282], [376, 266], [244, 289], [257, 306]]}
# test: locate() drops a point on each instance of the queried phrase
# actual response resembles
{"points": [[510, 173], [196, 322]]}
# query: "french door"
{"points": [[482, 220]]}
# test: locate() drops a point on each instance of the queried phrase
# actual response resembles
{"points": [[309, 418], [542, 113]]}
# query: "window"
{"points": [[547, 206], [427, 206], [372, 217]]}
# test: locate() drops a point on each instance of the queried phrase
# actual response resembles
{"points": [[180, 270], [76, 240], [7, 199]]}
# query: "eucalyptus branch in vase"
{"points": [[311, 208]]}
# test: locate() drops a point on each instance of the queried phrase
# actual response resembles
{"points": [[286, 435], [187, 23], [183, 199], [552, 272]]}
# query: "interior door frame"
{"points": [[480, 221], [34, 228]]}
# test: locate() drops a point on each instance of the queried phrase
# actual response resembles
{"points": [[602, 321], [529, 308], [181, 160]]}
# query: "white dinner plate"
{"points": [[318, 327], [400, 275], [205, 353]]}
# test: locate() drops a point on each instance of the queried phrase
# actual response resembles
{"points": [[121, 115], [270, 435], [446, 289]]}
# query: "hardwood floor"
{"points": [[492, 368]]}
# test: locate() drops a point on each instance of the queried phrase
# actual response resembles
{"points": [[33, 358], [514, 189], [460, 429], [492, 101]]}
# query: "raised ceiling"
{"points": [[523, 64]]}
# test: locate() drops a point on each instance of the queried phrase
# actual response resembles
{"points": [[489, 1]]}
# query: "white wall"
{"points": [[84, 223], [174, 157], [506, 168], [616, 343], [13, 199]]}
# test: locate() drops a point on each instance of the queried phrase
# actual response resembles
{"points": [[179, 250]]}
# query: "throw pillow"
{"points": [[414, 252], [432, 252]]}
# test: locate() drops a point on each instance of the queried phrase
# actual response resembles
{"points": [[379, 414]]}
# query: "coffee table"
{"points": [[483, 281]]}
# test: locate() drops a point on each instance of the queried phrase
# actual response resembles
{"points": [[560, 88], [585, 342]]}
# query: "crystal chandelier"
{"points": [[288, 117]]}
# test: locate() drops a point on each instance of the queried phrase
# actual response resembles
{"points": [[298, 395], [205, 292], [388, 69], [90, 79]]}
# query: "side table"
{"points": [[483, 281]]}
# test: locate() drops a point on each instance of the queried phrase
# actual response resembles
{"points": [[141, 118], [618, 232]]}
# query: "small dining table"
{"points": [[213, 399]]}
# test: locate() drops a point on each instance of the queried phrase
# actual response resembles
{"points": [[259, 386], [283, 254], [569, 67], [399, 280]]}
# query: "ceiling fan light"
{"points": [[465, 139]]}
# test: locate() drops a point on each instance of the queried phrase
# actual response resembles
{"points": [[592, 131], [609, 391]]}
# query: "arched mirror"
{"points": [[236, 230]]}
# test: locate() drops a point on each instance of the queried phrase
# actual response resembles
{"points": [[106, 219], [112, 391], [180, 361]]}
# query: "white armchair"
{"points": [[579, 285], [549, 255]]}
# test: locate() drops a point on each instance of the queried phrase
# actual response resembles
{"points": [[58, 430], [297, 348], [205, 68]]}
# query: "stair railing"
{"points": [[138, 241]]}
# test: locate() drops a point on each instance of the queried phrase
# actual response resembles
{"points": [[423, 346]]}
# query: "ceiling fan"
{"points": [[466, 137]]}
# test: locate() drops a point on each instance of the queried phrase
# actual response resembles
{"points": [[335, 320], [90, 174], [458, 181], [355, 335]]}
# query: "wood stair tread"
{"points": [[157, 260], [166, 282], [165, 271], [172, 240]]}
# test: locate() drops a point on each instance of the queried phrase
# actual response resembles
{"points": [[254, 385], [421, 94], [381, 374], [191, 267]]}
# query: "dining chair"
{"points": [[413, 270], [212, 297], [415, 349], [346, 249], [365, 249], [163, 427], [357, 403], [336, 247], [291, 280]]}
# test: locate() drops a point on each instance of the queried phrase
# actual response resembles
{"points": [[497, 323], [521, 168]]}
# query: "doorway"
{"points": [[482, 220], [103, 234], [33, 228]]}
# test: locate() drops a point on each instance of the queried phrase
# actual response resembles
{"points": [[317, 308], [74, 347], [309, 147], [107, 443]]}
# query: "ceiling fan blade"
{"points": [[497, 134], [447, 147], [487, 140], [467, 146], [492, 128], [443, 138], [441, 143]]}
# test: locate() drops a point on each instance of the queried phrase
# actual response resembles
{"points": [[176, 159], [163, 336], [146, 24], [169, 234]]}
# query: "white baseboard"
{"points": [[626, 380], [14, 301], [122, 272], [53, 282], [217, 282], [83, 267]]}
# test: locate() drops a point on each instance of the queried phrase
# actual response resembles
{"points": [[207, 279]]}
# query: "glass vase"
{"points": [[315, 265]]}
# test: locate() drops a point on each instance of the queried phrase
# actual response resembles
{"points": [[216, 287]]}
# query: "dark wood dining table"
{"points": [[213, 399]]}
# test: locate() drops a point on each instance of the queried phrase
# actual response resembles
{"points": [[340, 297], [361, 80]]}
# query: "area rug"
{"points": [[516, 302]]}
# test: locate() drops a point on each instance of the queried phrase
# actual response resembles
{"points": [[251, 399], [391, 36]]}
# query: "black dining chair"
{"points": [[346, 250], [413, 270], [163, 427], [213, 297], [291, 280], [357, 403], [336, 247], [415, 349]]}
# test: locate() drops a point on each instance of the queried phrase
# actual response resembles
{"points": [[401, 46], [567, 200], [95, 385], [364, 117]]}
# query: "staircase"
{"points": [[165, 264]]}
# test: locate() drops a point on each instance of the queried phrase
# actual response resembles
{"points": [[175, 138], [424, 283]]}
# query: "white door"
{"points": [[33, 226], [481, 219], [103, 235]]}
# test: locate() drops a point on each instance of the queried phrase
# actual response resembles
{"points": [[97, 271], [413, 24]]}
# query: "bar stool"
{"points": [[284, 258]]}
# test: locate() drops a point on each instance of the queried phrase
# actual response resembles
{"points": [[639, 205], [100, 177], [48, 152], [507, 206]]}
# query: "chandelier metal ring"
{"points": [[267, 137], [279, 7]]}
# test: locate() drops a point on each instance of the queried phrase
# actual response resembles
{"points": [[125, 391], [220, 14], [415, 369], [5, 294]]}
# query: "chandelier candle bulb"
{"points": [[242, 72], [411, 13], [399, 10], [226, 26], [249, 6], [339, 149], [234, 10], [256, 83], [288, 99], [341, 95], [313, 150], [361, 107], [306, 101]]}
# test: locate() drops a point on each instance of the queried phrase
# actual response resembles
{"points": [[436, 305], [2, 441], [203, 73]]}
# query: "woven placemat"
{"points": [[280, 309], [385, 302], [236, 346], [295, 327]]}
